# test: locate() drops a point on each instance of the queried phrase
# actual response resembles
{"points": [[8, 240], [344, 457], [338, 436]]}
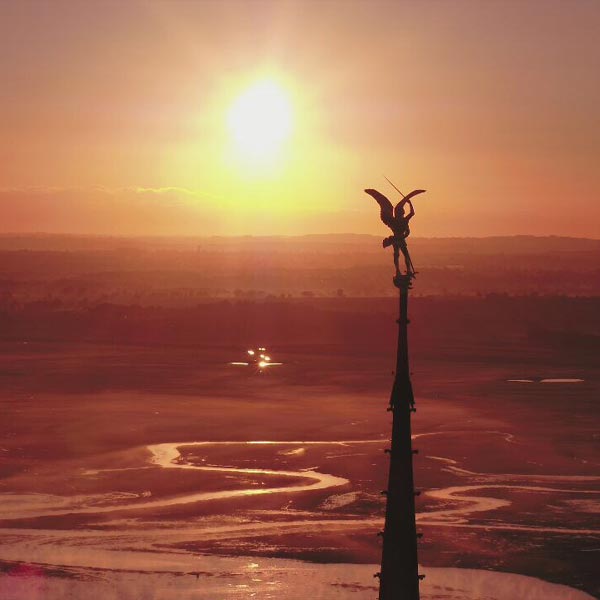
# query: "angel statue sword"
{"points": [[399, 577], [393, 186]]}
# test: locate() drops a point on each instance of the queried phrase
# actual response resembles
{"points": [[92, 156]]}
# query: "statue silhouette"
{"points": [[397, 221]]}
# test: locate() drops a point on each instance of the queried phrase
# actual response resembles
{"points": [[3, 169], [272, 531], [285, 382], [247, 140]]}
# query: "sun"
{"points": [[260, 121]]}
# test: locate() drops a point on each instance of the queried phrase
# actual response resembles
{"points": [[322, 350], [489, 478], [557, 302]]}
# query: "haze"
{"points": [[114, 116]]}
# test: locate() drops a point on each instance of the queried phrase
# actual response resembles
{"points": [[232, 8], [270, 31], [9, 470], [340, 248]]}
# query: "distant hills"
{"points": [[72, 242], [185, 271]]}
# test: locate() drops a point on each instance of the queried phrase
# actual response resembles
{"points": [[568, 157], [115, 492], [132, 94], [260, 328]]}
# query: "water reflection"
{"points": [[257, 358], [548, 380]]}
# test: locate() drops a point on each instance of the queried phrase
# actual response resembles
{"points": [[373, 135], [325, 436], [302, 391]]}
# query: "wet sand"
{"points": [[106, 483]]}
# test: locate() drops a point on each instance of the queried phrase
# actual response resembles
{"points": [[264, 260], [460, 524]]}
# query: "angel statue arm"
{"points": [[399, 210]]}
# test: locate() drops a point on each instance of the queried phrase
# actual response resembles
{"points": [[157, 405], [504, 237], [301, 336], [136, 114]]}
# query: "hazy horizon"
{"points": [[145, 117], [66, 234]]}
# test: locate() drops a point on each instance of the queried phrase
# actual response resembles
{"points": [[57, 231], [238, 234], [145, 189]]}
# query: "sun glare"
{"points": [[260, 120]]}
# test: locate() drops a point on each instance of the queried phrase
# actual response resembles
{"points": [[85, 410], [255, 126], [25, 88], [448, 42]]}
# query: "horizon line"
{"points": [[159, 236]]}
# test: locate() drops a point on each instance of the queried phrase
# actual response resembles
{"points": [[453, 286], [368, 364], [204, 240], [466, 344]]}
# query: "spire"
{"points": [[399, 576]]}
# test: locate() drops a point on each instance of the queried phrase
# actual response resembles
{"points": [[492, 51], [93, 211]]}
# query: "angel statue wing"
{"points": [[387, 210], [406, 199], [413, 193]]}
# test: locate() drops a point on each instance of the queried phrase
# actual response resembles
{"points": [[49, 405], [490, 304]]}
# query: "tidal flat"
{"points": [[166, 470]]}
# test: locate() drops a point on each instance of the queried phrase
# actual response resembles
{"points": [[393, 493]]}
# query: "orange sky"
{"points": [[114, 116]]}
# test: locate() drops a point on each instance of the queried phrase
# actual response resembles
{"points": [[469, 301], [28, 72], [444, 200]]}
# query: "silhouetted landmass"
{"points": [[79, 270], [299, 290]]}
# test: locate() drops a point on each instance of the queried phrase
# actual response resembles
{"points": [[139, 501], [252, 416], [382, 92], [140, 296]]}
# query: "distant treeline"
{"points": [[440, 325]]}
